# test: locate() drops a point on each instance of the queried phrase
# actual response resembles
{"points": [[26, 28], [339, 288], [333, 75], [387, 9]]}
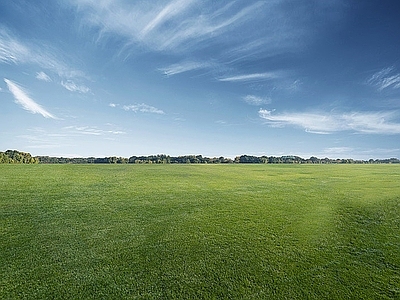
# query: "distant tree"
{"points": [[17, 157], [122, 160], [4, 159], [314, 160]]}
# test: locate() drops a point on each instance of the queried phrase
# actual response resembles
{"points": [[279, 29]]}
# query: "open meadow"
{"points": [[200, 231]]}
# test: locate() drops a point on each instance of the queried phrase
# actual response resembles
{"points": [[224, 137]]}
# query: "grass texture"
{"points": [[199, 232]]}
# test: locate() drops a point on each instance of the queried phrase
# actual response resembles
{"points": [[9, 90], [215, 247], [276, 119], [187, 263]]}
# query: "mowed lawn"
{"points": [[199, 231]]}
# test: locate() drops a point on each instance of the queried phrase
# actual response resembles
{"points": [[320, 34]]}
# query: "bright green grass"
{"points": [[199, 231]]}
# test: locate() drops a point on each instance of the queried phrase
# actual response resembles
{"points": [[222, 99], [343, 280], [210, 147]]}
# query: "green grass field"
{"points": [[199, 231]]}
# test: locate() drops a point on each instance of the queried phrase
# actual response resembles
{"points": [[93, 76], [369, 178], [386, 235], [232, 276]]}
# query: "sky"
{"points": [[213, 78]]}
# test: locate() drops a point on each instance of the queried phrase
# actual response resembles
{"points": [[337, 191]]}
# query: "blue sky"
{"points": [[217, 78]]}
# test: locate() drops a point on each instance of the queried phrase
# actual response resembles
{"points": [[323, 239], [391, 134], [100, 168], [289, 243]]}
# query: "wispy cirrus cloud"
{"points": [[21, 97], [11, 50], [256, 100], [251, 77], [197, 29], [73, 87], [143, 108], [43, 76], [91, 130], [160, 25], [231, 32], [15, 51], [185, 66], [173, 9], [385, 78], [325, 123]]}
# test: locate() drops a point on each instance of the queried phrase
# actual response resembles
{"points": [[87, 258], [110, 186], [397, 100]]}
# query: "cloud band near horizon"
{"points": [[325, 123]]}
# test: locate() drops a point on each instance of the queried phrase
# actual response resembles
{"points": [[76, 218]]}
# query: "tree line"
{"points": [[151, 159], [17, 157]]}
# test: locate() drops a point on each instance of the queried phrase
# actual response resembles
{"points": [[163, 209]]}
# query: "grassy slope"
{"points": [[199, 231]]}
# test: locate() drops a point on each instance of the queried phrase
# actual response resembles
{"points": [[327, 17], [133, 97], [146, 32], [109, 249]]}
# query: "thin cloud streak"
{"points": [[13, 51], [188, 27], [144, 108], [255, 100], [91, 130], [384, 79], [73, 87], [25, 101], [198, 29], [184, 67], [173, 26], [171, 10], [195, 30], [250, 77], [43, 76], [359, 122]]}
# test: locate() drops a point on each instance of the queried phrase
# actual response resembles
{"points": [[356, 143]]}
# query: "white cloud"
{"points": [[255, 100], [324, 123], [162, 25], [385, 78], [263, 46], [25, 101], [250, 77], [143, 108], [43, 76], [73, 87], [227, 31], [167, 13], [11, 50], [14, 51], [184, 67], [358, 153], [91, 130], [200, 28], [233, 30]]}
